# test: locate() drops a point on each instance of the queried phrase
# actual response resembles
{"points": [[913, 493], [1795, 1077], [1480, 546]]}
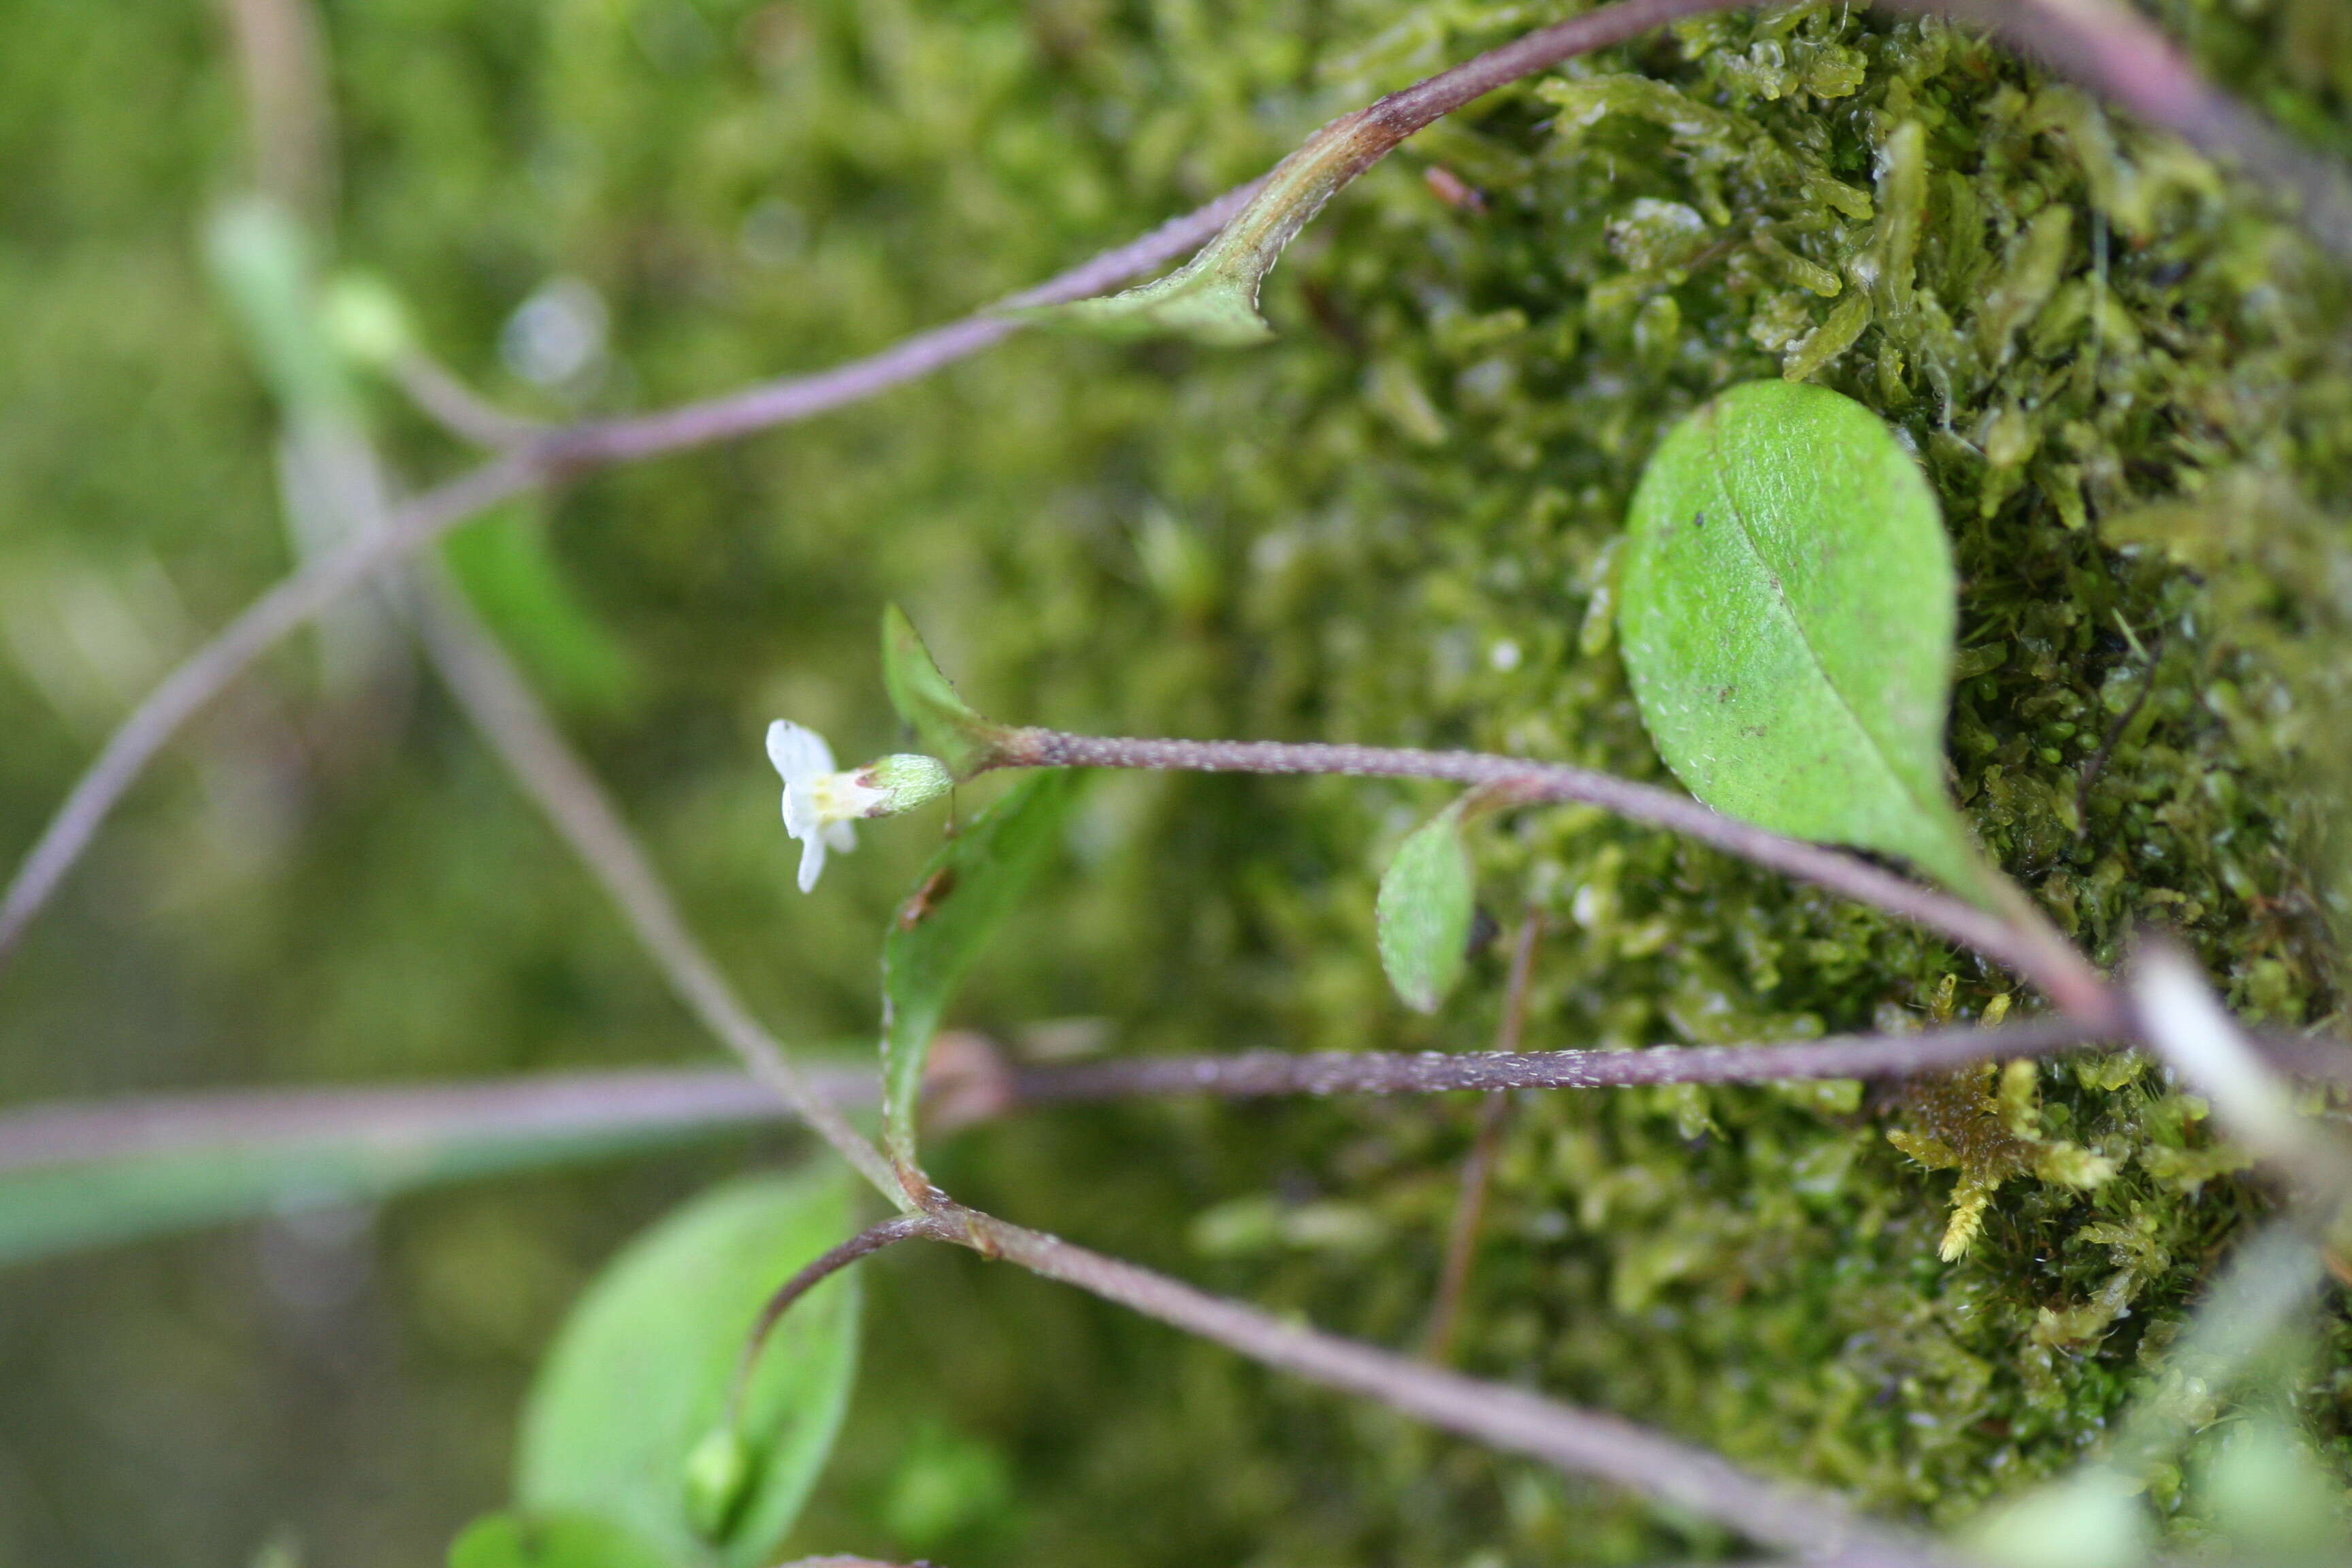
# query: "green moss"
{"points": [[2098, 353], [2128, 382]]}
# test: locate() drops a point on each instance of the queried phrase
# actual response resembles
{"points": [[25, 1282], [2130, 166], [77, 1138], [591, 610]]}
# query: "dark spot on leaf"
{"points": [[926, 899]]}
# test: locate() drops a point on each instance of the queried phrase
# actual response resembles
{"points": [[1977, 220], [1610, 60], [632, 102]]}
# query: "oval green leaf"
{"points": [[1787, 618], [551, 1541], [639, 1376], [1425, 912], [964, 892]]}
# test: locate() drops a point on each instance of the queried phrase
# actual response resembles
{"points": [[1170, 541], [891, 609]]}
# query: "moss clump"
{"points": [[2129, 386], [1395, 524]]}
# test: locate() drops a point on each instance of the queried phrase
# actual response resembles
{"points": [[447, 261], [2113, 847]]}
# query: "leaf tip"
{"points": [[927, 700]]}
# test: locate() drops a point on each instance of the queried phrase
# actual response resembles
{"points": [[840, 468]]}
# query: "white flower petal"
{"points": [[817, 798], [798, 752], [800, 818]]}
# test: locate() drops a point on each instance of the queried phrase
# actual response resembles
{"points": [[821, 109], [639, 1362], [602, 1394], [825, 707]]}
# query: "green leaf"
{"points": [[551, 1541], [945, 723], [1425, 912], [263, 261], [1788, 615], [511, 575], [1213, 299], [2270, 1496], [640, 1375], [180, 1162], [965, 892], [2092, 1518]]}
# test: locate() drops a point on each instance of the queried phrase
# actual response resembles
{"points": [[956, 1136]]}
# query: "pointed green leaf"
{"points": [[1787, 617], [549, 1540], [1425, 912], [639, 1376], [964, 893], [944, 721], [1213, 299], [263, 261], [510, 573]]}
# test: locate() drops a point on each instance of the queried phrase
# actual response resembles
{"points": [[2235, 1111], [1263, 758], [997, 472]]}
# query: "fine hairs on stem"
{"points": [[2026, 942], [1485, 1146], [2100, 42], [2096, 40], [423, 1114], [1577, 1442], [417, 1115]]}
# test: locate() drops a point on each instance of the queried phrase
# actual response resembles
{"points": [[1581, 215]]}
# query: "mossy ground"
{"points": [[2128, 382]]}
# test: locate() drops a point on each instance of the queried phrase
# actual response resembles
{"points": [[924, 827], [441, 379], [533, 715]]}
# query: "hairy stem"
{"points": [[1577, 1442], [1252, 1074], [126, 1128], [774, 402], [2028, 946], [2101, 43]]}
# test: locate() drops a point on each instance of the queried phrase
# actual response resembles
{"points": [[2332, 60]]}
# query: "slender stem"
{"points": [[2177, 1013], [1255, 1074], [89, 1131], [286, 608], [289, 111], [872, 1239], [510, 718], [1486, 1148], [206, 673], [443, 396], [1579, 1442], [413, 1116], [2098, 41], [2121, 55], [2031, 948], [798, 397]]}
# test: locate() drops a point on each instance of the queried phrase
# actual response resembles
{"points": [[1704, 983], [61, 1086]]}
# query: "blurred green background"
{"points": [[1391, 526]]}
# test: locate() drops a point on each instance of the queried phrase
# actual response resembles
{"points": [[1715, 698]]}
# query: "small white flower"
{"points": [[819, 802]]}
